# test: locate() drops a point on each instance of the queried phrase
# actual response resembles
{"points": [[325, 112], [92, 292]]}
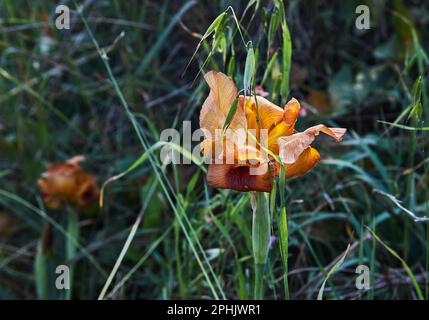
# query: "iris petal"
{"points": [[286, 126], [217, 105], [268, 112], [291, 147], [238, 178], [305, 162], [214, 112]]}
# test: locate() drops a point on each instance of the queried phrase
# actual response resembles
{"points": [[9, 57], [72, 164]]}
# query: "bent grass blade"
{"points": [[332, 271]]}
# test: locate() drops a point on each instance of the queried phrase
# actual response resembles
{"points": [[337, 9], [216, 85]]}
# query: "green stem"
{"points": [[71, 246], [260, 240], [259, 277], [283, 231], [284, 246]]}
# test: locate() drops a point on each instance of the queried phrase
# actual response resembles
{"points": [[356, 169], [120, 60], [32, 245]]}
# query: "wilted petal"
{"points": [[87, 191], [217, 105], [238, 178], [291, 147], [305, 162], [291, 112], [67, 182], [214, 112], [58, 183]]}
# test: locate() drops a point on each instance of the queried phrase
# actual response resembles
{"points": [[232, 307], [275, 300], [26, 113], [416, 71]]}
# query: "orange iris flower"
{"points": [[68, 182], [254, 114]]}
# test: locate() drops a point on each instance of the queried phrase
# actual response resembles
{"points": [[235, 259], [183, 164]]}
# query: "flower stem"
{"points": [[260, 240], [259, 276], [71, 246], [283, 231]]}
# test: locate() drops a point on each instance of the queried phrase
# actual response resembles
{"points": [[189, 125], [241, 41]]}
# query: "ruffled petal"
{"points": [[290, 115], [217, 105], [213, 114], [305, 162], [290, 147], [286, 126]]}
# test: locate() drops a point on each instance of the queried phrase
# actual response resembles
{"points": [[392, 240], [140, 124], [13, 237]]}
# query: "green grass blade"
{"points": [[332, 271], [404, 265]]}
